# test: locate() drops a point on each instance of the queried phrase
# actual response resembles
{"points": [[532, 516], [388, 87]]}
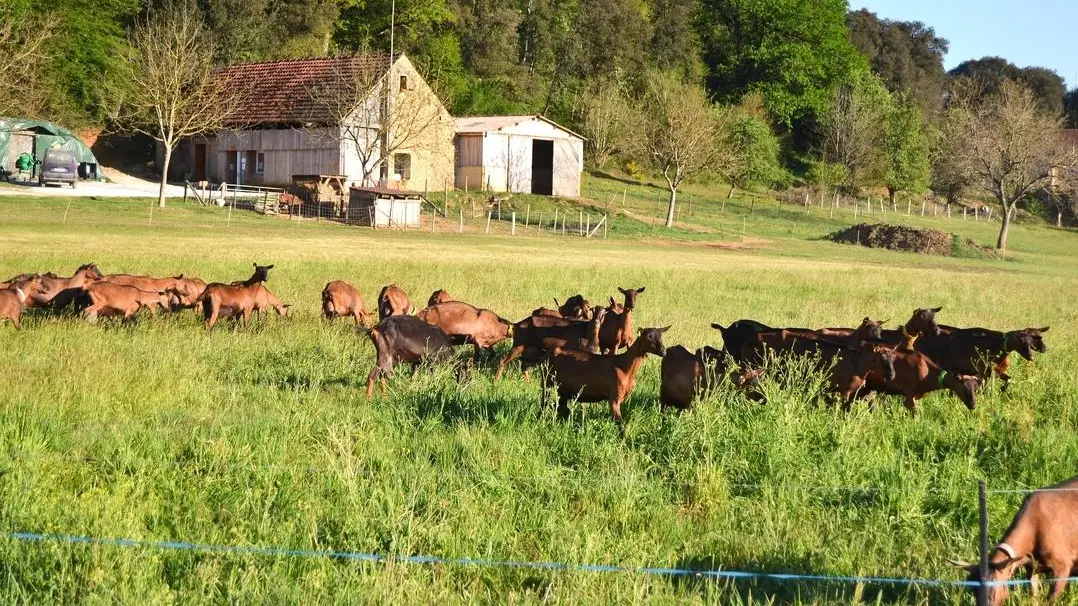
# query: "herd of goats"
{"points": [[593, 354]]}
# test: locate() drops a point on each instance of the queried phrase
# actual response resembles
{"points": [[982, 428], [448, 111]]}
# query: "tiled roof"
{"points": [[297, 90]]}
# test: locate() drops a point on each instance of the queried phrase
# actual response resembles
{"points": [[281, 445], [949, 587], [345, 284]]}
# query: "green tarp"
{"points": [[47, 135]]}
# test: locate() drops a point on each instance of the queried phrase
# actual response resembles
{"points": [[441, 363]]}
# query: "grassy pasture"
{"points": [[263, 437]]}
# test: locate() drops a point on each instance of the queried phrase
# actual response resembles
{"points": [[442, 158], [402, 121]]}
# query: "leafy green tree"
{"points": [[853, 128], [754, 147], [87, 48], [907, 55], [675, 45], [245, 30], [488, 36], [612, 36], [990, 73], [794, 52], [1070, 108], [906, 150]]}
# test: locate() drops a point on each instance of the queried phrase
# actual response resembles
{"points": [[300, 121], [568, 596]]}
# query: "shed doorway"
{"points": [[542, 167], [200, 162]]}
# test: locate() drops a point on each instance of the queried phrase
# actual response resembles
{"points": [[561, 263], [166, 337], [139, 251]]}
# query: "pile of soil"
{"points": [[910, 239]]}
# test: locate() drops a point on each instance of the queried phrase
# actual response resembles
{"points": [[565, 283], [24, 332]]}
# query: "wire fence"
{"points": [[713, 574]]}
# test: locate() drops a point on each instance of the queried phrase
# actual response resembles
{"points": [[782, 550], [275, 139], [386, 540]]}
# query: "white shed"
{"points": [[522, 154]]}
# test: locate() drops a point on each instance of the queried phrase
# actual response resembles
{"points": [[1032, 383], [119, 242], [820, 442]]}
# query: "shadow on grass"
{"points": [[810, 590]]}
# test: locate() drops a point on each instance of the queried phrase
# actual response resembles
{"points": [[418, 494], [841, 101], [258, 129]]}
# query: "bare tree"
{"points": [[24, 48], [1007, 145], [604, 115], [165, 88], [361, 99], [677, 133]]}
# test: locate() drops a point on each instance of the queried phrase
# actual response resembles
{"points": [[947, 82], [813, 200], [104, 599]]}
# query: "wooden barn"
{"points": [[292, 121], [521, 154]]}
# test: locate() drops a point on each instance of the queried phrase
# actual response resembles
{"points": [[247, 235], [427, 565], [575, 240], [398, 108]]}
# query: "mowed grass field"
{"points": [[158, 431]]}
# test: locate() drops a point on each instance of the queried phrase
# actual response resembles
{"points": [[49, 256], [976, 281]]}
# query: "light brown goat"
{"points": [[13, 299], [617, 329], [107, 299], [393, 301], [468, 325], [240, 301], [340, 299], [592, 377], [59, 292], [1042, 538]]}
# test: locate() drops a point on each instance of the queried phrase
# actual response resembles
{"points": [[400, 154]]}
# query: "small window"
{"points": [[402, 166], [260, 164], [404, 83]]}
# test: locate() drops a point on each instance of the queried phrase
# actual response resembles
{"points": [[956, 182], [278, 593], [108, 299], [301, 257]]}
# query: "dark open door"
{"points": [[542, 167], [200, 162]]}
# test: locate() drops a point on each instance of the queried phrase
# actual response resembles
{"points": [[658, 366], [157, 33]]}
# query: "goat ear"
{"points": [[666, 328], [866, 320], [269, 267], [936, 310], [621, 290], [254, 264], [612, 302], [717, 326], [1045, 329], [640, 290], [882, 322]]}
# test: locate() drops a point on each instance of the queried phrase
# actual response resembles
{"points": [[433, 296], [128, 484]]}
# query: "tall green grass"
{"points": [[159, 431]]}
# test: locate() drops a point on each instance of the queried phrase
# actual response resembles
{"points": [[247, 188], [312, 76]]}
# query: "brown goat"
{"points": [[393, 301], [341, 299], [237, 301], [108, 299], [147, 283], [1042, 538], [537, 334], [575, 307], [59, 292], [686, 377], [916, 376], [438, 296], [260, 275], [466, 324], [617, 329], [186, 293], [13, 299], [592, 377]]}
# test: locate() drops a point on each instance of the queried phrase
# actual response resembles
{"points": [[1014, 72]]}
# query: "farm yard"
{"points": [[263, 438]]}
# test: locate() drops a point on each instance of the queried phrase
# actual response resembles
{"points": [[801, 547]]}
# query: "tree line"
{"points": [[759, 92]]}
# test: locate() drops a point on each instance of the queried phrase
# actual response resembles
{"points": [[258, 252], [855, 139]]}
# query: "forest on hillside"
{"points": [[757, 92], [493, 57]]}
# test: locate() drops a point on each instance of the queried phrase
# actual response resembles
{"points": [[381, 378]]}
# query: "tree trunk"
{"points": [[670, 208], [892, 195], [164, 176], [730, 194], [1001, 243], [1059, 218]]}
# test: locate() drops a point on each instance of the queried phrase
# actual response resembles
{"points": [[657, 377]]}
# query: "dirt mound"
{"points": [[911, 239]]}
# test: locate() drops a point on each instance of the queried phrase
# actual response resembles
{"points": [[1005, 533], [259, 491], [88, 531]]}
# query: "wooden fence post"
{"points": [[606, 225], [460, 226], [433, 220], [513, 231], [527, 217], [487, 231], [587, 229], [539, 223]]}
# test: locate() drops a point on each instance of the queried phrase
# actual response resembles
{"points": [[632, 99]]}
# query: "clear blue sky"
{"points": [[1027, 33]]}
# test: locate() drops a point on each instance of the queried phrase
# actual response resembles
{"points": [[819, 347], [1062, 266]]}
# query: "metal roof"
{"points": [[473, 125]]}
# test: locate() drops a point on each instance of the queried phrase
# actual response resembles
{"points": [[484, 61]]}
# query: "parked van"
{"points": [[59, 167]]}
